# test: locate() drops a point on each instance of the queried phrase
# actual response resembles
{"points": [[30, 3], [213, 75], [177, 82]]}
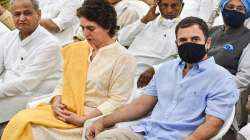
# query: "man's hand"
{"points": [[151, 15], [49, 25], [95, 129], [145, 77]]}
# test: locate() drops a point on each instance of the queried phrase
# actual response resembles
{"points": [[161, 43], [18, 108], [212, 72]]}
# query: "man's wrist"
{"points": [[106, 122]]}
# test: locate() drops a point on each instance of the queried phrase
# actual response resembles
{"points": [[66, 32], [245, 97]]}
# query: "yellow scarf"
{"points": [[75, 75]]}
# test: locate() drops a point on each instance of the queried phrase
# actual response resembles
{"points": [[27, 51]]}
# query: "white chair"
{"points": [[226, 126], [39, 100]]}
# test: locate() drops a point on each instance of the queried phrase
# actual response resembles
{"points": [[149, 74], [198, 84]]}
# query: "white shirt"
{"points": [[129, 11], [3, 29], [29, 67], [63, 14], [150, 43], [198, 8]]}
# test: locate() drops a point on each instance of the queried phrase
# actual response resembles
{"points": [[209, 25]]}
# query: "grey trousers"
{"points": [[119, 134]]}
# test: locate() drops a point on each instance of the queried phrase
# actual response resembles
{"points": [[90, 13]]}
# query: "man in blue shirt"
{"points": [[190, 98]]}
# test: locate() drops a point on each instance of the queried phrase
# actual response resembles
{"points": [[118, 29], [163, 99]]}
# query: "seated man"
{"points": [[151, 40], [59, 18], [30, 60], [190, 97], [230, 48]]}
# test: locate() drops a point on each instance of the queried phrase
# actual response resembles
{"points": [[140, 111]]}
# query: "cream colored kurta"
{"points": [[109, 84]]}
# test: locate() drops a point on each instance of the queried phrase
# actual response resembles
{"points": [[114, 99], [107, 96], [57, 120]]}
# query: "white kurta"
{"points": [[63, 14], [3, 29], [198, 8], [150, 43], [29, 67], [129, 11]]}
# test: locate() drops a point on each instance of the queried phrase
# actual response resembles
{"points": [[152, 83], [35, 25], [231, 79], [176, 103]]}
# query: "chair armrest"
{"points": [[226, 126], [38, 100]]}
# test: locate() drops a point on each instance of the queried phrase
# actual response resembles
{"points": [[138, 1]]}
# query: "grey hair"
{"points": [[35, 3]]}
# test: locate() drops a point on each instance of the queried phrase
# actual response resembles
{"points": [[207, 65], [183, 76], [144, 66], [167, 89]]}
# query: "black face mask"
{"points": [[191, 52], [233, 18]]}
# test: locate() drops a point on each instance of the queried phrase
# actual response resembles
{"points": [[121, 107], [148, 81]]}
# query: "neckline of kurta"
{"points": [[107, 47], [30, 37]]}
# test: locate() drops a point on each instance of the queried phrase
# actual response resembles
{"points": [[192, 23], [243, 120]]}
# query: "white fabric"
{"points": [[3, 29], [150, 43], [63, 14], [245, 131], [29, 68], [198, 8], [128, 11]]}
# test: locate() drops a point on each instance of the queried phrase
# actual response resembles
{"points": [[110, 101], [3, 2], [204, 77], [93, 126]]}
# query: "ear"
{"points": [[176, 43], [39, 12], [208, 43], [182, 5], [157, 2]]}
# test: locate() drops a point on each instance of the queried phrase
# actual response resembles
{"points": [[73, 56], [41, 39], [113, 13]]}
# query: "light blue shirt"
{"points": [[183, 102]]}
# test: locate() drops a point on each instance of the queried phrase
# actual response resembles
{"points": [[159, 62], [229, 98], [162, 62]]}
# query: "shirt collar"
{"points": [[31, 37], [200, 66]]}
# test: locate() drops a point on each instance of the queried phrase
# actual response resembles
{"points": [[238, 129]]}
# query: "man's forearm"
{"points": [[49, 25], [207, 130], [133, 111]]}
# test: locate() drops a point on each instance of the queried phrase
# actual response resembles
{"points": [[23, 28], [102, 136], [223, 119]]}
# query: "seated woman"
{"points": [[98, 78]]}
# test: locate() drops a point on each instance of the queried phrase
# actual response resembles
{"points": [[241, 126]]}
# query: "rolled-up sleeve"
{"points": [[127, 34], [67, 14], [121, 84], [222, 98]]}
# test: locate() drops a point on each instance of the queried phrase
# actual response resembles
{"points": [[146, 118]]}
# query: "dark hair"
{"points": [[160, 1], [101, 12], [190, 21]]}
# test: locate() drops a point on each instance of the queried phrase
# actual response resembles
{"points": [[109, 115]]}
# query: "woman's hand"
{"points": [[72, 118], [57, 107]]}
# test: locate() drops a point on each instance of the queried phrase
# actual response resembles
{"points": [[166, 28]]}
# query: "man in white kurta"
{"points": [[152, 42], [29, 67], [61, 13]]}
